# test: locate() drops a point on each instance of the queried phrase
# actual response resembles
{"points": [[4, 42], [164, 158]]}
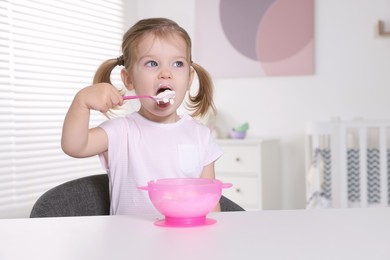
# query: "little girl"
{"points": [[154, 142]]}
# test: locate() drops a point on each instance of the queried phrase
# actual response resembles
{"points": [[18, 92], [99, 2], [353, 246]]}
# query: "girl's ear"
{"points": [[126, 79]]}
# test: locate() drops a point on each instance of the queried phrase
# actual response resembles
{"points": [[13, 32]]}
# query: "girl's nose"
{"points": [[165, 73]]}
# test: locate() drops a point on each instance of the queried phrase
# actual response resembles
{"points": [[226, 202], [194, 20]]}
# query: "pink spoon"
{"points": [[164, 97]]}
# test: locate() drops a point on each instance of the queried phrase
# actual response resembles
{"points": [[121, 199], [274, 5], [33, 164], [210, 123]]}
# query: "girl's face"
{"points": [[161, 63]]}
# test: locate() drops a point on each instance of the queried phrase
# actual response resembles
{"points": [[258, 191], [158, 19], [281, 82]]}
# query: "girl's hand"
{"points": [[100, 97], [78, 140]]}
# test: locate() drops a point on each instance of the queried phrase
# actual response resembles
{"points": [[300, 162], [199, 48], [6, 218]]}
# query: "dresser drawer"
{"points": [[245, 191], [253, 167], [243, 158]]}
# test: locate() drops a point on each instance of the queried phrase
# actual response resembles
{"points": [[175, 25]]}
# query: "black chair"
{"points": [[87, 196]]}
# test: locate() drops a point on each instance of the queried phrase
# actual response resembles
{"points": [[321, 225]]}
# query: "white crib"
{"points": [[347, 163]]}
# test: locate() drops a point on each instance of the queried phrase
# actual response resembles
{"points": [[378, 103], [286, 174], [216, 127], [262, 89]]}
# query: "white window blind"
{"points": [[48, 51]]}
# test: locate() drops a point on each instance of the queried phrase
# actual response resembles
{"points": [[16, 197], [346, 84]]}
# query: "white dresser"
{"points": [[253, 166]]}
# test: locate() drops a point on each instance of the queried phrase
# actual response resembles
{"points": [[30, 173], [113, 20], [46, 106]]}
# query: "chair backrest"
{"points": [[229, 205], [87, 196]]}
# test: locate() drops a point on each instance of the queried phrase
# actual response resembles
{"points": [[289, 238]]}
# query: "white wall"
{"points": [[352, 79]]}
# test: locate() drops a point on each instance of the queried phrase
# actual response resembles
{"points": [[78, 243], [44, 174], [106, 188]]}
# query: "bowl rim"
{"points": [[164, 182]]}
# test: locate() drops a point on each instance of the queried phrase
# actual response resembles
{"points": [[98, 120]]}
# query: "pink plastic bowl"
{"points": [[185, 201]]}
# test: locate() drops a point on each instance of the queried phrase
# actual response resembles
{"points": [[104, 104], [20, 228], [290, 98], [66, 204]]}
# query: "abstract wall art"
{"points": [[254, 38]]}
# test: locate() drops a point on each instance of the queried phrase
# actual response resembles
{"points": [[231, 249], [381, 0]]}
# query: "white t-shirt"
{"points": [[140, 150]]}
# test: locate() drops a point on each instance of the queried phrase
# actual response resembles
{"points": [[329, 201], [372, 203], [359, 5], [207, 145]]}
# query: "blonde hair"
{"points": [[201, 102]]}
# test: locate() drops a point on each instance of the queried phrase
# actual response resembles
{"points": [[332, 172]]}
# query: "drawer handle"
{"points": [[238, 159]]}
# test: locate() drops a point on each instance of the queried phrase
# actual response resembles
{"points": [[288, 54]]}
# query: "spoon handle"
{"points": [[135, 97]]}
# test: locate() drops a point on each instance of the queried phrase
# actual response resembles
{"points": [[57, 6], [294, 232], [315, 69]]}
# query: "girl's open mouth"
{"points": [[162, 89], [165, 96]]}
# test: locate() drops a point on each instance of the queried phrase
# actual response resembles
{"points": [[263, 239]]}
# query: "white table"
{"points": [[294, 234]]}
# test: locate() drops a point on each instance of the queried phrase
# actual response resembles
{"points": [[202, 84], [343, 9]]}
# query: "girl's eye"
{"points": [[178, 64], [151, 63]]}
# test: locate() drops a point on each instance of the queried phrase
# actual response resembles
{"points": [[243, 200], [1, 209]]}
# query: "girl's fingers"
{"points": [[101, 97]]}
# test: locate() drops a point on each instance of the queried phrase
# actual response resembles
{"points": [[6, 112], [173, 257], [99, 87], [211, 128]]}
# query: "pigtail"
{"points": [[103, 73], [203, 100]]}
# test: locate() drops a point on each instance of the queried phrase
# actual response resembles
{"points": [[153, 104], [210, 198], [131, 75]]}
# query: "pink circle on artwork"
{"points": [[281, 34], [240, 22]]}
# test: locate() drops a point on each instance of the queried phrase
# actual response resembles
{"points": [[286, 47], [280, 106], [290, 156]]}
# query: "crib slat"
{"points": [[317, 175], [363, 166], [383, 164], [339, 132], [308, 161], [342, 190], [335, 163]]}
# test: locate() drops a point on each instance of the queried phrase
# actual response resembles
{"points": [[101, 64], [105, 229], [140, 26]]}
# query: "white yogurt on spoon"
{"points": [[165, 97]]}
